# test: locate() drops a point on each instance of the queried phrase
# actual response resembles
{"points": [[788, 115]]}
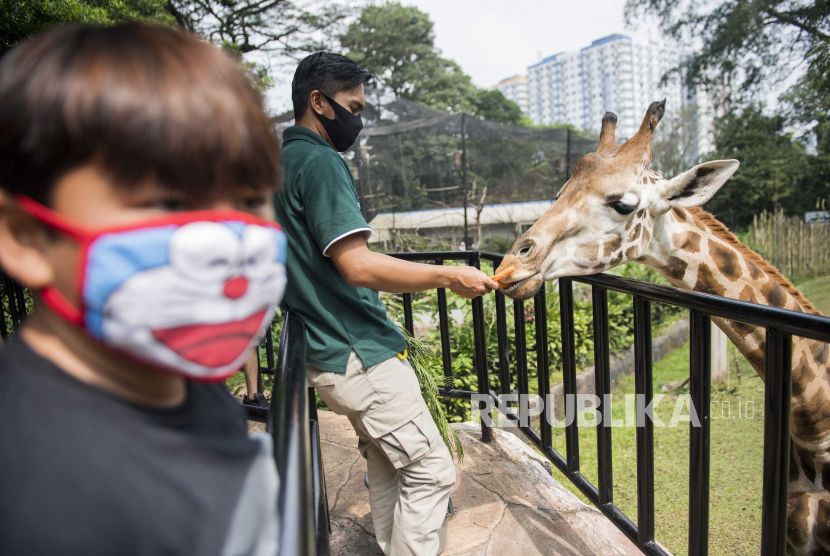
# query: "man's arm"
{"points": [[361, 267]]}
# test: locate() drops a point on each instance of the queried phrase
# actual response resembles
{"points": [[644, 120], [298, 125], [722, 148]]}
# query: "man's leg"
{"points": [[422, 506], [396, 432], [384, 492], [426, 473]]}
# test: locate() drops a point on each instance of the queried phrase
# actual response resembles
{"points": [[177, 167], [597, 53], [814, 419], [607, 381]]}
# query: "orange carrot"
{"points": [[503, 274]]}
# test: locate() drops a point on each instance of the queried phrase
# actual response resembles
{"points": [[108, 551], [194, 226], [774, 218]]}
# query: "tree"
{"points": [[673, 146], [773, 172], [744, 42], [807, 105], [397, 44], [280, 27], [20, 19], [272, 26], [493, 106]]}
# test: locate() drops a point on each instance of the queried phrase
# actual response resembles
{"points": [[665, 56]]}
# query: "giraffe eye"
{"points": [[622, 208]]}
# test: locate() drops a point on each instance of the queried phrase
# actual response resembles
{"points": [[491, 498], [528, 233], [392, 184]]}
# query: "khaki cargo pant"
{"points": [[410, 469]]}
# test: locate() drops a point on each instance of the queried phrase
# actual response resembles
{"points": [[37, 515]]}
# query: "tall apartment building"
{"points": [[619, 74], [515, 89]]}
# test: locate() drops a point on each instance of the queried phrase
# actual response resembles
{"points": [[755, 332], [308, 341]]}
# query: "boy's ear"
{"points": [[693, 187], [22, 243]]}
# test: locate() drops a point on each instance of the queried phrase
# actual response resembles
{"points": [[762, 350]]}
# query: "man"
{"points": [[356, 355]]}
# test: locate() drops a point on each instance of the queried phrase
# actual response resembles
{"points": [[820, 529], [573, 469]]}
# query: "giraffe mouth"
{"points": [[519, 290]]}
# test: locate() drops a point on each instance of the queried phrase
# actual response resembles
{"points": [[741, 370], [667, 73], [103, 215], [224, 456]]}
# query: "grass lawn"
{"points": [[817, 291], [736, 459]]}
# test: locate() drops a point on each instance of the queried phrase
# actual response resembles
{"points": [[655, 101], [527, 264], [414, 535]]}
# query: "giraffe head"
{"points": [[605, 214]]}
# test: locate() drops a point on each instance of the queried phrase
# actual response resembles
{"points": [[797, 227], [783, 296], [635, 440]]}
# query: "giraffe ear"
{"points": [[694, 187]]}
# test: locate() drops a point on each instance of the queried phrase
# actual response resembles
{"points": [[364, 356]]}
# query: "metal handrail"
{"points": [[292, 422], [302, 506], [780, 325]]}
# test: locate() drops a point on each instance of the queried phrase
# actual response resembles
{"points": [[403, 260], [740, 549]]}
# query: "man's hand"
{"points": [[470, 282]]}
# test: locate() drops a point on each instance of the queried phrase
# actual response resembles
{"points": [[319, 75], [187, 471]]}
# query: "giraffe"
{"points": [[614, 209]]}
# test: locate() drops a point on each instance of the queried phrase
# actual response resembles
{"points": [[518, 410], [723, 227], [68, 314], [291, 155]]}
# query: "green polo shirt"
{"points": [[316, 207]]}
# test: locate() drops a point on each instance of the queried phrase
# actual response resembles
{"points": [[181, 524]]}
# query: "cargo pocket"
{"points": [[403, 428]]}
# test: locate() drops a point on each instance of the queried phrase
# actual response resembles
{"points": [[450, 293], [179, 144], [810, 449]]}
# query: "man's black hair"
{"points": [[326, 72]]}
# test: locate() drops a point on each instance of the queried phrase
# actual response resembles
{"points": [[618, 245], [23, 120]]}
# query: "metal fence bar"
{"points": [[288, 423], [777, 398], [521, 356], [644, 388], [4, 332], [700, 380], [504, 348], [21, 302], [602, 381], [407, 313], [322, 525], [269, 350], [444, 325], [542, 364], [297, 446], [480, 343], [566, 315], [790, 322], [13, 308]]}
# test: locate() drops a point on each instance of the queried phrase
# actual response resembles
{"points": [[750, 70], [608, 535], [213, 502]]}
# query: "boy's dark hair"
{"points": [[326, 72], [138, 101]]}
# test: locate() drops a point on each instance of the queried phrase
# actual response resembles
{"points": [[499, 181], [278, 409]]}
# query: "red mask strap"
{"points": [[58, 303], [51, 218]]}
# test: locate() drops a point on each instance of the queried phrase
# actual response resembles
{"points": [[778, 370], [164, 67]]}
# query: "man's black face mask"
{"points": [[344, 128]]}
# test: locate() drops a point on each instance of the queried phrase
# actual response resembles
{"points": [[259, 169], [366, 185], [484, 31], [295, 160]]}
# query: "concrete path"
{"points": [[505, 499]]}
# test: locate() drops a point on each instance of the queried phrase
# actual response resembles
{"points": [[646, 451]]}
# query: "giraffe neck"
{"points": [[696, 252]]}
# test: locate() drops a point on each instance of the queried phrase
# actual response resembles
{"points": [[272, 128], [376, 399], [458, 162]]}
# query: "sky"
{"points": [[494, 39]]}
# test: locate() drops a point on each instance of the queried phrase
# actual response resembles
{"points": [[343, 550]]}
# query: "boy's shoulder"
{"points": [[73, 455]]}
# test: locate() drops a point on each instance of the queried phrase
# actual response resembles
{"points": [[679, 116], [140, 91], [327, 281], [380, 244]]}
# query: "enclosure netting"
{"points": [[409, 157]]}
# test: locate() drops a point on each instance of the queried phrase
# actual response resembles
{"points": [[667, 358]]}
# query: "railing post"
{"points": [[566, 314], [444, 325], [521, 356], [269, 348], [480, 343], [542, 365], [700, 382], [644, 389], [776, 442], [602, 382], [4, 332], [13, 307], [322, 524], [288, 424], [407, 313], [501, 331]]}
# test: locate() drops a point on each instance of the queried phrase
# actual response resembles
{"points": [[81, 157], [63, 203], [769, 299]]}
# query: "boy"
{"points": [[356, 355], [136, 171]]}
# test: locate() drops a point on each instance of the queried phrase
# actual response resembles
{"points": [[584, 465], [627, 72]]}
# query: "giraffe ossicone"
{"points": [[614, 209]]}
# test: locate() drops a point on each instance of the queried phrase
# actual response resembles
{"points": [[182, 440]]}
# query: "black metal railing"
{"points": [[292, 422], [12, 306], [780, 325]]}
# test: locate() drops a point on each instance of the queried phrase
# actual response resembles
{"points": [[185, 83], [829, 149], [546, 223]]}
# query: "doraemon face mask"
{"points": [[188, 292]]}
